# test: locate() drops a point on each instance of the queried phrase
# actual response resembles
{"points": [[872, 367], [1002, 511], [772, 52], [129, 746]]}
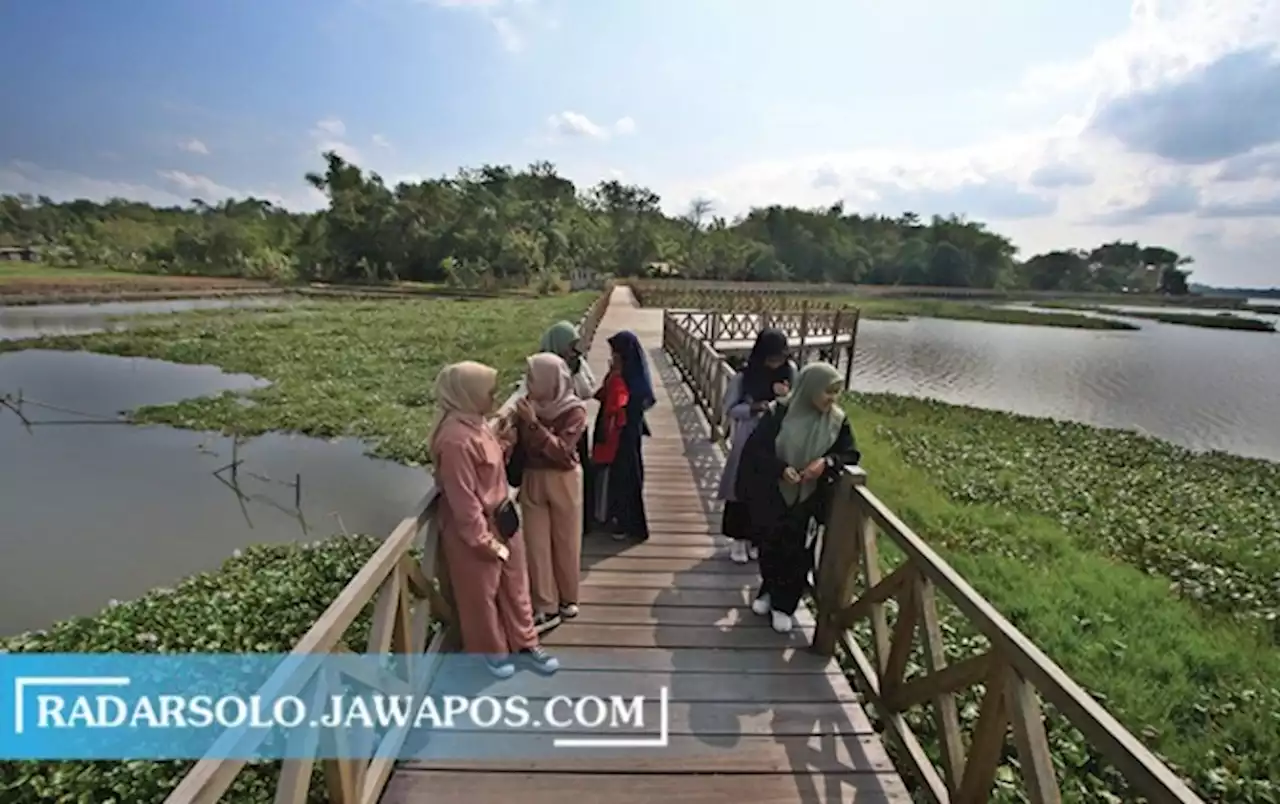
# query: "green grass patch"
{"points": [[898, 309], [1146, 571], [1264, 309], [1219, 321], [14, 269], [342, 368], [1222, 320]]}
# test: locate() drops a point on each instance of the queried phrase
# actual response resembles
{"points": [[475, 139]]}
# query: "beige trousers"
{"points": [[551, 514]]}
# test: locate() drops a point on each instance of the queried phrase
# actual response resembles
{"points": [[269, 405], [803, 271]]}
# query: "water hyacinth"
{"points": [[1146, 571]]}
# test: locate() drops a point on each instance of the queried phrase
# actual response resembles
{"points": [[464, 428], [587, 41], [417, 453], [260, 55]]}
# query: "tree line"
{"points": [[496, 226]]}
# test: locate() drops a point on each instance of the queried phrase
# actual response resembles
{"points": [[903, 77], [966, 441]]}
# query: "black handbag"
{"points": [[506, 520], [515, 465]]}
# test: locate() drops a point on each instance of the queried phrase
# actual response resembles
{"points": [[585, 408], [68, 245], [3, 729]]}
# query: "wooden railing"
{"points": [[728, 296], [829, 333], [1014, 676], [411, 596]]}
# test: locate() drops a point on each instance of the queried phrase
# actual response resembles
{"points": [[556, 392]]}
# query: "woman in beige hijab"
{"points": [[552, 419], [490, 576]]}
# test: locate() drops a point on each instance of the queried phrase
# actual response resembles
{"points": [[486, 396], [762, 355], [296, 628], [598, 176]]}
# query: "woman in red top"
{"points": [[620, 428]]}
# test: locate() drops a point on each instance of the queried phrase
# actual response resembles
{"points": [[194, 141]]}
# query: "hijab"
{"points": [[635, 368], [550, 387], [463, 392], [562, 339], [757, 378], [559, 339], [807, 433]]}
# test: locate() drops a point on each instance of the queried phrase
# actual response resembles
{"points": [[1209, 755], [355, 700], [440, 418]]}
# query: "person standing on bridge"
{"points": [[485, 557], [552, 420], [620, 430], [788, 467], [768, 375], [563, 339]]}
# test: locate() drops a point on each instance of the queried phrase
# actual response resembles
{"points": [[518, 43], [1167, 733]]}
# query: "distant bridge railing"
{"points": [[901, 610], [411, 598]]}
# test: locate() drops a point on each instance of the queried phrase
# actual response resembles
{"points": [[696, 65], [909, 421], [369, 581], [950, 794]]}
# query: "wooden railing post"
{"points": [[837, 564], [804, 329]]}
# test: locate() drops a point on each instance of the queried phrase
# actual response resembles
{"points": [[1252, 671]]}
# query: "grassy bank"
{"points": [[1219, 321], [1223, 320], [899, 309], [361, 369], [229, 611], [1264, 309], [1146, 571]]}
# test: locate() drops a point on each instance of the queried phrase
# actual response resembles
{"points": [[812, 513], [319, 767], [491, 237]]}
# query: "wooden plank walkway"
{"points": [[754, 716]]}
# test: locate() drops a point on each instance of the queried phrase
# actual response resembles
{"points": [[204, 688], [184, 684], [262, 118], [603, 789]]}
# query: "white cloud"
{"points": [[381, 141], [501, 15], [330, 127], [328, 135], [20, 177], [577, 125], [194, 146]]}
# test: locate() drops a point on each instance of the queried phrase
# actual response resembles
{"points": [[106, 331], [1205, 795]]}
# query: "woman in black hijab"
{"points": [[768, 375]]}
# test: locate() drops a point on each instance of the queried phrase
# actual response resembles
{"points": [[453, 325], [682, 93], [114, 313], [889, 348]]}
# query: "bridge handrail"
{"points": [[408, 596], [1014, 673]]}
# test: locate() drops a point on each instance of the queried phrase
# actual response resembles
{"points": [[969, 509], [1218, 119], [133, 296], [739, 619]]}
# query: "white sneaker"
{"points": [[781, 622], [760, 605], [753, 553], [738, 552]]}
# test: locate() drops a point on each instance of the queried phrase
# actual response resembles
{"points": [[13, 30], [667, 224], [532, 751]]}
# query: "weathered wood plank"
{"points": [[672, 636], [791, 659], [658, 596], [736, 617], [452, 787], [755, 689], [717, 564], [668, 580], [685, 753]]}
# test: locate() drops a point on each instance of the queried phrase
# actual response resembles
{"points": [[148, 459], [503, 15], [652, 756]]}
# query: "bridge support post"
{"points": [[838, 563]]}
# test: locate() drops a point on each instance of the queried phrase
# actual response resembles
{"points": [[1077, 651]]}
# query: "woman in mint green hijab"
{"points": [[788, 466]]}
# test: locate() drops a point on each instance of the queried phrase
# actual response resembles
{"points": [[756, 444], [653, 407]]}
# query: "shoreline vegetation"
{"points": [[363, 369], [1220, 320], [1144, 569], [903, 309]]}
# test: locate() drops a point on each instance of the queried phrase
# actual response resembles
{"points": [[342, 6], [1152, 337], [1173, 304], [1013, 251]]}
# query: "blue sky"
{"points": [[1060, 123]]}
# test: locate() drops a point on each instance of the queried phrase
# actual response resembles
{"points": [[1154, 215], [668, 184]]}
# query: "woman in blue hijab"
{"points": [[620, 483]]}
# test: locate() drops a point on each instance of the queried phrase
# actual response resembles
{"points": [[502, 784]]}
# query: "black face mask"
{"points": [[574, 362]]}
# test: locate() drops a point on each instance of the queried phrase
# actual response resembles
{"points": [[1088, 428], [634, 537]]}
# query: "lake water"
{"points": [[95, 511], [1207, 389], [34, 321]]}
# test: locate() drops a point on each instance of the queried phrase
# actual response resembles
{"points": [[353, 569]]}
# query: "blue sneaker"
{"points": [[540, 661], [500, 666]]}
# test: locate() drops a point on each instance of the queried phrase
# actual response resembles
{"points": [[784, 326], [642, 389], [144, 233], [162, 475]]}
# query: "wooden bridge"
{"points": [[754, 715]]}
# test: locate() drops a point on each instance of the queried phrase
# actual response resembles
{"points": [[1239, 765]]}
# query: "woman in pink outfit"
{"points": [[490, 577]]}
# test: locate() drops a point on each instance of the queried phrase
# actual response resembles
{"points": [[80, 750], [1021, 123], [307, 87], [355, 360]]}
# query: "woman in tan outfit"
{"points": [[552, 420], [490, 576]]}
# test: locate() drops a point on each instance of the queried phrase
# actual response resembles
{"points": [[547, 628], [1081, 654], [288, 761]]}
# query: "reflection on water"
{"points": [[92, 512], [1202, 388], [33, 321]]}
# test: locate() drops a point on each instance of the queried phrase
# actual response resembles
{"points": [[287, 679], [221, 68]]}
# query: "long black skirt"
{"points": [[619, 493], [736, 522]]}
